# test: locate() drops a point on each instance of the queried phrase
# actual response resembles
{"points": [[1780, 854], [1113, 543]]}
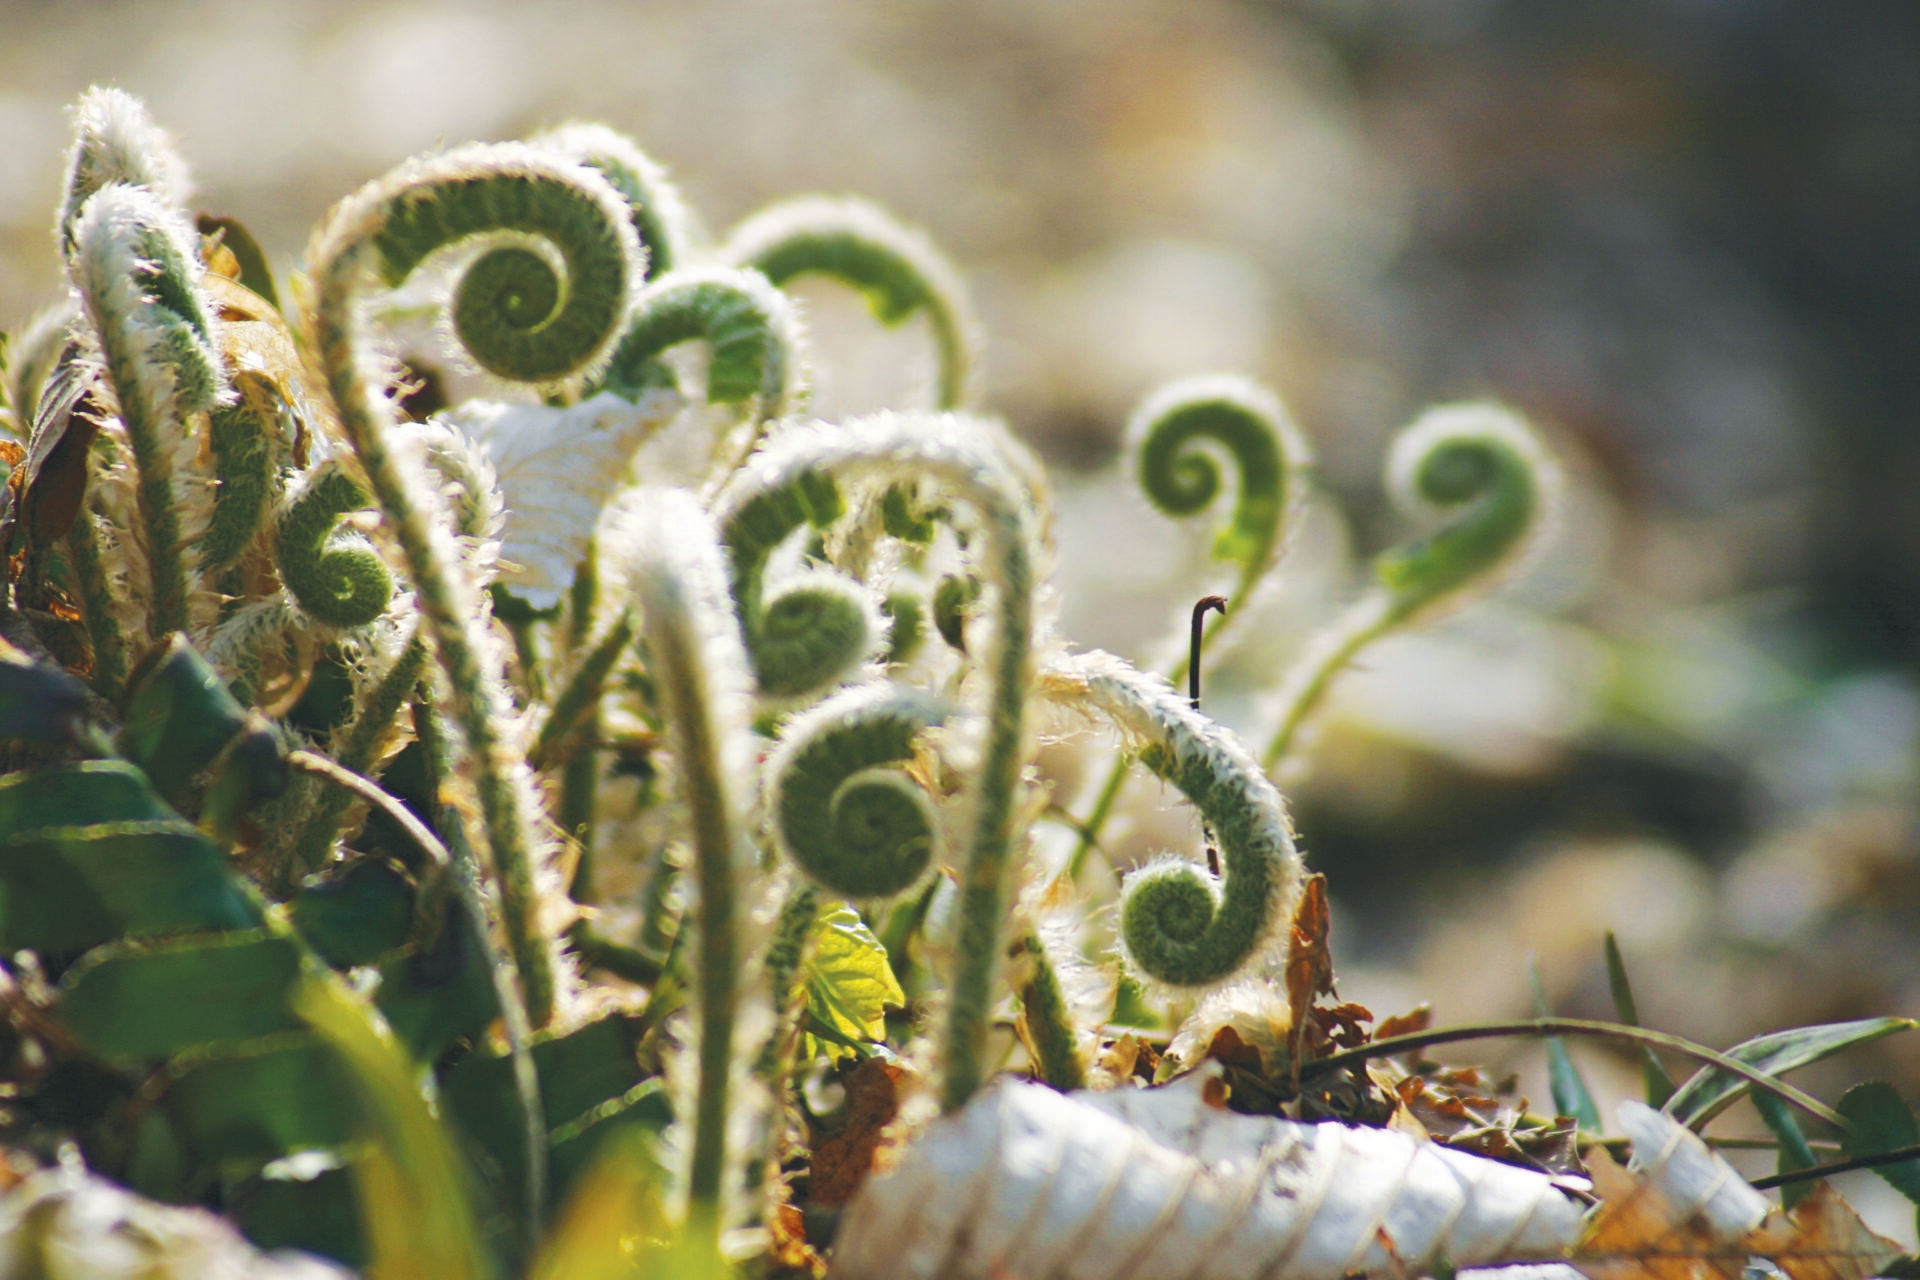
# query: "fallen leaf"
{"points": [[843, 1156]]}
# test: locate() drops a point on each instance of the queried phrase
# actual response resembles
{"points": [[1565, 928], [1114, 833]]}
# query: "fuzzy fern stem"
{"points": [[697, 657], [1485, 467], [134, 266], [380, 235]]}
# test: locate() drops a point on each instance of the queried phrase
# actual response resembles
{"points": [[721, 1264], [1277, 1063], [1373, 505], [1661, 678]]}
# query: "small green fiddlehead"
{"points": [[115, 140], [134, 266], [843, 810], [1180, 925], [696, 654], [1249, 424], [809, 631], [973, 462], [750, 326], [863, 246], [1479, 461], [660, 217], [336, 576], [1484, 466], [380, 235]]}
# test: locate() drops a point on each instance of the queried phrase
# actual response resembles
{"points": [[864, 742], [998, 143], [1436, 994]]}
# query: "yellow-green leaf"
{"points": [[849, 985]]}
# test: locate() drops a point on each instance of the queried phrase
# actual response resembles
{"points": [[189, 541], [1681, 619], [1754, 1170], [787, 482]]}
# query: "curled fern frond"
{"points": [[541, 308], [1179, 925], [1246, 421], [697, 656], [1478, 461], [1484, 467], [336, 575], [378, 237], [975, 464], [895, 268], [115, 140], [843, 810], [660, 217], [135, 268], [750, 326], [809, 632]]}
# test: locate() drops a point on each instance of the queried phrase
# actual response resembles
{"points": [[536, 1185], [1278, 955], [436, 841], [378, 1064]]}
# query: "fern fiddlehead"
{"points": [[134, 266], [661, 218], [750, 326], [842, 809], [898, 270], [807, 632], [1182, 479], [696, 653], [336, 576], [972, 462], [1178, 924], [379, 236], [1483, 464]]}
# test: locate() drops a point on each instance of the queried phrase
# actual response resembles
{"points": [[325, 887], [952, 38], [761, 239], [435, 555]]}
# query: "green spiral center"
{"points": [[514, 315]]}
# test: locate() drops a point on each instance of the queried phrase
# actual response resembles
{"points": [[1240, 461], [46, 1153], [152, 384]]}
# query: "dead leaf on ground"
{"points": [[843, 1156]]}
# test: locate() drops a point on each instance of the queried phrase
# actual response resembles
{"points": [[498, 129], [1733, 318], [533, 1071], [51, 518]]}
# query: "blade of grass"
{"points": [[1659, 1085], [1571, 1097]]}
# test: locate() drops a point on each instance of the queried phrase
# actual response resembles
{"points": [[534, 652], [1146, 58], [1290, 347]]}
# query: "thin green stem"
{"points": [[1898, 1155], [1576, 1027], [556, 740], [1306, 684]]}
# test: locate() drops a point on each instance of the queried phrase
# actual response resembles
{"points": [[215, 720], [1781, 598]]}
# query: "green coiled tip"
{"points": [[335, 575], [661, 218], [751, 327], [844, 810], [1484, 467], [544, 307], [1181, 478], [897, 270], [1179, 924], [810, 629]]}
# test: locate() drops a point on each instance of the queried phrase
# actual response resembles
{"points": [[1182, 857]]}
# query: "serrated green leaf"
{"points": [[849, 985], [1710, 1090], [128, 1001], [1881, 1121]]}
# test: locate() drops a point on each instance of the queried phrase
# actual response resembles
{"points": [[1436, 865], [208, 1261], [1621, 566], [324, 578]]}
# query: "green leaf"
{"points": [[1653, 1073], [72, 888], [411, 1186], [1571, 1097], [358, 916], [848, 984], [1795, 1154], [179, 718], [258, 1101], [78, 795], [1709, 1091], [1882, 1121], [40, 703], [318, 1214], [131, 1001]]}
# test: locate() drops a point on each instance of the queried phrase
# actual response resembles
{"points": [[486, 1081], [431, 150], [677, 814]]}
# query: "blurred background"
{"points": [[1679, 234]]}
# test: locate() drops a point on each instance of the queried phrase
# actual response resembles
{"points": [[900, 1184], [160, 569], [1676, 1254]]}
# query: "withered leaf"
{"points": [[843, 1156]]}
